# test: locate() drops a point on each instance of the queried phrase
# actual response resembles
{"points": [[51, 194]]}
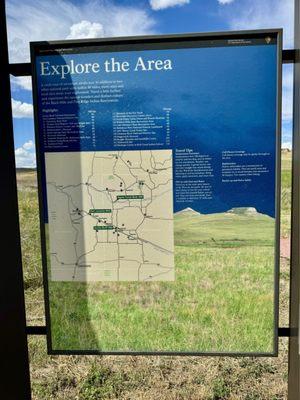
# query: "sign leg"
{"points": [[14, 365]]}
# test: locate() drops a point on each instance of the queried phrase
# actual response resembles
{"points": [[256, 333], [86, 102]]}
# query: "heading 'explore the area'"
{"points": [[109, 66]]}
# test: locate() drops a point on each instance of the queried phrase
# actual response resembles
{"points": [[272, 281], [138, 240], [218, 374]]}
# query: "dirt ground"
{"points": [[285, 247]]}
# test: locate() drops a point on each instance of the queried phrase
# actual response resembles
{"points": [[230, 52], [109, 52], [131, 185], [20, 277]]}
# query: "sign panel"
{"points": [[158, 161]]}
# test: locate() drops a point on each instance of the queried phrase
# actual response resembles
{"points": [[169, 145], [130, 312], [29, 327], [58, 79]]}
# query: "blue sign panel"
{"points": [[158, 177]]}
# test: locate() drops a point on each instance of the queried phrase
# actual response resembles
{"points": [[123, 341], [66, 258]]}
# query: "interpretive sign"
{"points": [[158, 160]]}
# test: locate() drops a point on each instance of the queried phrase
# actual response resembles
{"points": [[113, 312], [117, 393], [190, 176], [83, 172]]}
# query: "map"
{"points": [[110, 215]]}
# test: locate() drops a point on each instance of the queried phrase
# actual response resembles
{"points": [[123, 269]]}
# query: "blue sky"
{"points": [[62, 19]]}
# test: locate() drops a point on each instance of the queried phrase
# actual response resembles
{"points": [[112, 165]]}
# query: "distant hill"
{"points": [[26, 178], [26, 170], [242, 226], [243, 211]]}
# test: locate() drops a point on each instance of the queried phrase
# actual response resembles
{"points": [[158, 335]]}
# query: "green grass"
{"points": [[221, 300], [29, 218], [286, 180], [223, 230]]}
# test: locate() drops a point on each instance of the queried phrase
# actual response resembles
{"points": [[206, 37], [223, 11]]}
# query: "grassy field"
{"points": [[222, 297], [224, 230], [91, 378], [212, 306]]}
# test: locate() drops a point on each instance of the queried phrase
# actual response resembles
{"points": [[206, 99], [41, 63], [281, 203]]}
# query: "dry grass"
{"points": [[155, 378]]}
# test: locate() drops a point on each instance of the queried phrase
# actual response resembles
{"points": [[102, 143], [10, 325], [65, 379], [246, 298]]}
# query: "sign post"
{"points": [[15, 379], [294, 348]]}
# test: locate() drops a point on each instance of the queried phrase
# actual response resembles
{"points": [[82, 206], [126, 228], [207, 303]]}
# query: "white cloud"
{"points": [[86, 29], [25, 155], [21, 82], [225, 1], [28, 145], [21, 110], [258, 14], [162, 4], [61, 19]]}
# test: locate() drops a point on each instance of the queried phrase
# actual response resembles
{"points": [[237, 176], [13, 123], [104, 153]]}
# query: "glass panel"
{"points": [[125, 139], [59, 20], [28, 198], [286, 178], [151, 377]]}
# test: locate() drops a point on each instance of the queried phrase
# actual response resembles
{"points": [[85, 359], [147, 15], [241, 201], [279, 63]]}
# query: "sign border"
{"points": [[132, 43]]}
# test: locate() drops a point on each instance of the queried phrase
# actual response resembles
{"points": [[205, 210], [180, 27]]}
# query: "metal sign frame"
{"points": [[15, 382], [181, 41]]}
